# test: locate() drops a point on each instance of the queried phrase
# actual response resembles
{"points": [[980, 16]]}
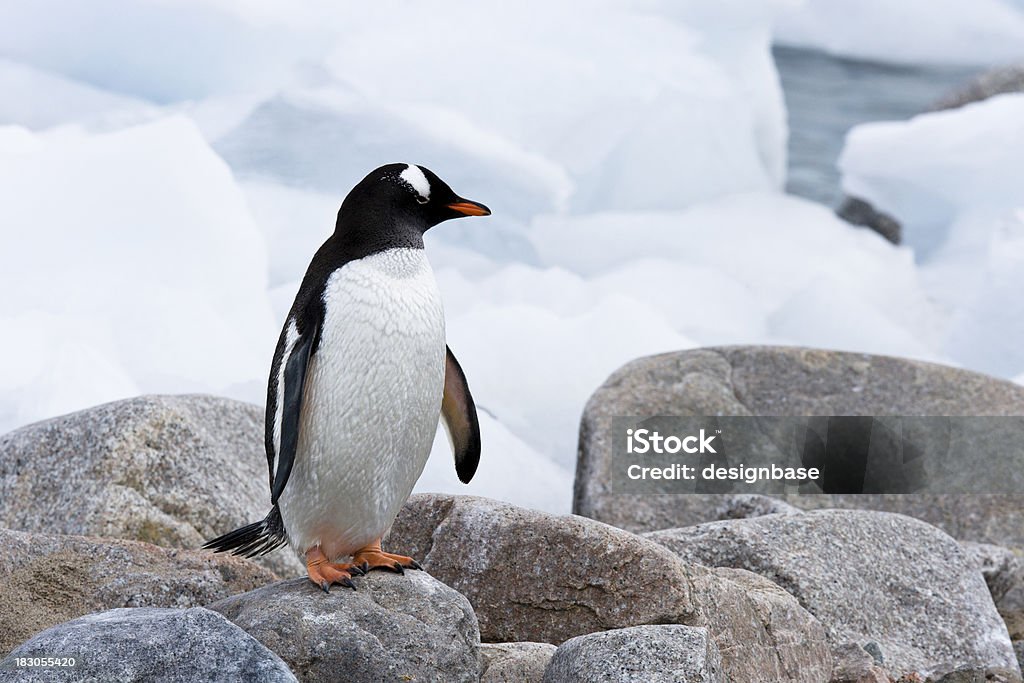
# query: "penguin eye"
{"points": [[421, 199]]}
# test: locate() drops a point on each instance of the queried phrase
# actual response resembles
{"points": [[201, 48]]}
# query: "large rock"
{"points": [[48, 579], [149, 644], [869, 577], [532, 576], [762, 631], [515, 662], [392, 628], [169, 470], [654, 654], [766, 380]]}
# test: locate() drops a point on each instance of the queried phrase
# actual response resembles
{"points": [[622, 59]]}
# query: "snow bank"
{"points": [[134, 263], [953, 179], [909, 31], [509, 470]]}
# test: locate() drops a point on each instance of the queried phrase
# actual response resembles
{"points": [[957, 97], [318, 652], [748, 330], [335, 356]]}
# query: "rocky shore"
{"points": [[101, 512]]}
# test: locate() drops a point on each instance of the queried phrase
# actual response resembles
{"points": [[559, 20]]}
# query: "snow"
{"points": [[504, 459], [981, 32], [953, 179], [139, 248], [169, 168]]}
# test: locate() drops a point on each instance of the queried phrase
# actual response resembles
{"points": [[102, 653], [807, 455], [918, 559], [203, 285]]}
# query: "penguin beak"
{"points": [[468, 208]]}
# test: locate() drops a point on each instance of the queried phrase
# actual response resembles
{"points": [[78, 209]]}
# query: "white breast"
{"points": [[371, 402]]}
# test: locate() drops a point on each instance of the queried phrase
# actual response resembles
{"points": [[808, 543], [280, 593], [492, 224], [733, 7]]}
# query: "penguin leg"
{"points": [[323, 572], [371, 557]]}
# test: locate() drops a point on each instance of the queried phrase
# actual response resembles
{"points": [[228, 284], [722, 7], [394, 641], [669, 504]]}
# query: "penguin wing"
{"points": [[459, 413], [287, 403]]}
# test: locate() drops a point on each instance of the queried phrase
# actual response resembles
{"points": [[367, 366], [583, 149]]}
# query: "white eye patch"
{"points": [[415, 178]]}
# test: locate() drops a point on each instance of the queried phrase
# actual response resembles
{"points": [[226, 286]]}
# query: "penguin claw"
{"points": [[323, 572], [357, 570], [372, 557]]}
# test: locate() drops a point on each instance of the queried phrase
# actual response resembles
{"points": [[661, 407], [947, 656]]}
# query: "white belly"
{"points": [[371, 403]]}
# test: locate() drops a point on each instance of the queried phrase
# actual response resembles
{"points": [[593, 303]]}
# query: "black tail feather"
{"points": [[258, 538]]}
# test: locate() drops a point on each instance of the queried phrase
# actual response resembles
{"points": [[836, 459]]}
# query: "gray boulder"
{"points": [[149, 644], [392, 628], [515, 662], [766, 380], [654, 654], [49, 579], [532, 576], [867, 576], [169, 470]]}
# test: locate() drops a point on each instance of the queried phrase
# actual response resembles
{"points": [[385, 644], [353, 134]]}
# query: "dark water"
{"points": [[826, 96]]}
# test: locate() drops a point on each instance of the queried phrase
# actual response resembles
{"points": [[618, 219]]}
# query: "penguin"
{"points": [[360, 377]]}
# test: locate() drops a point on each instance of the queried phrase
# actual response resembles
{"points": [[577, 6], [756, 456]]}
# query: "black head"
{"points": [[395, 204]]}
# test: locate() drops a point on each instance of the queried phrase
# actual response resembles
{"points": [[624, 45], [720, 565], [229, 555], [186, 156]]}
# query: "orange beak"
{"points": [[468, 208]]}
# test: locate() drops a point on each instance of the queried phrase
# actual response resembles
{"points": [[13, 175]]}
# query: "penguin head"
{"points": [[412, 195]]}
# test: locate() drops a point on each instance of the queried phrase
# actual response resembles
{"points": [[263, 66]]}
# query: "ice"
{"points": [[144, 234], [931, 169], [909, 31], [987, 330], [953, 179], [327, 138], [156, 50], [672, 120], [37, 99], [509, 470]]}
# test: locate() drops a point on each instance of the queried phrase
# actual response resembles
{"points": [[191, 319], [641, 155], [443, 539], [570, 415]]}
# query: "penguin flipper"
{"points": [[291, 400], [460, 419]]}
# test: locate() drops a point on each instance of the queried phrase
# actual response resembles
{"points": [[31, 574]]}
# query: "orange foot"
{"points": [[371, 557], [323, 572]]}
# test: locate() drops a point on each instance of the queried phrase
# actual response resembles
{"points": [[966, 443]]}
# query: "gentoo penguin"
{"points": [[360, 377]]}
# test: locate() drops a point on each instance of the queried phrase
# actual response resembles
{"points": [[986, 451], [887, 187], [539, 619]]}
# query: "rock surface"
{"points": [[854, 664], [764, 380], [515, 662], [762, 631], [998, 81], [856, 211], [533, 576], [49, 579], [150, 644], [868, 577], [1003, 569], [392, 628], [169, 470], [541, 577], [654, 654]]}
